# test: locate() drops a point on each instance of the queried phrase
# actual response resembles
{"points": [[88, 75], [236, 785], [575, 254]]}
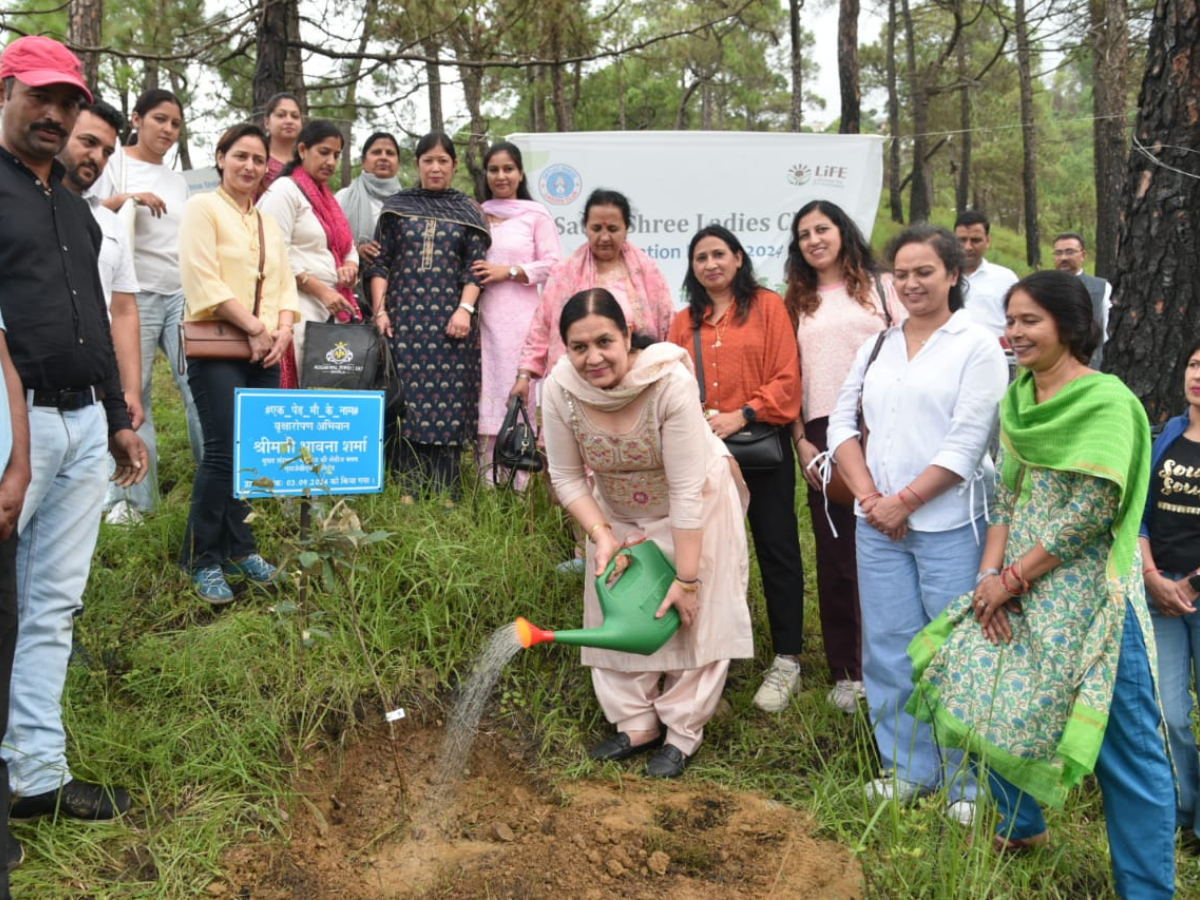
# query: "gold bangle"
{"points": [[688, 587], [594, 528]]}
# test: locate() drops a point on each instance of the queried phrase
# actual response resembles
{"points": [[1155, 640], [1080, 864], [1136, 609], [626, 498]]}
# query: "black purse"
{"points": [[758, 447], [341, 355], [516, 445]]}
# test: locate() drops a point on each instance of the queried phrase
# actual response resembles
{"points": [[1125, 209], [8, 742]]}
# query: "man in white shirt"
{"points": [[93, 140], [1069, 255], [987, 282]]}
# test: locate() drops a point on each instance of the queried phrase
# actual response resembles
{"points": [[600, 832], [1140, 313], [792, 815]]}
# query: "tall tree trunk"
{"points": [[433, 74], [797, 63], [962, 188], [353, 70], [1033, 250], [848, 67], [182, 147], [895, 199], [1110, 40], [270, 61], [472, 85], [85, 29], [919, 203], [293, 61], [1156, 286]]}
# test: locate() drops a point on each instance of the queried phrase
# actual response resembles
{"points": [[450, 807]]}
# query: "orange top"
{"points": [[754, 363]]}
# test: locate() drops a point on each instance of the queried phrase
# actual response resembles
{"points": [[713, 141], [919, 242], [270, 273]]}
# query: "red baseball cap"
{"points": [[39, 61]]}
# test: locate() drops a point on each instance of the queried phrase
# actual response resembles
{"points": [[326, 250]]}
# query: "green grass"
{"points": [[205, 715]]}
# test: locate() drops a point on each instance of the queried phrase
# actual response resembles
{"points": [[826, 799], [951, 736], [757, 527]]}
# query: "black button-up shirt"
{"points": [[55, 317]]}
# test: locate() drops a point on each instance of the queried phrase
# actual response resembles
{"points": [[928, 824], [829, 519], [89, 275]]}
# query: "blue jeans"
{"points": [[161, 317], [1135, 780], [217, 529], [58, 529], [903, 586], [1178, 639]]}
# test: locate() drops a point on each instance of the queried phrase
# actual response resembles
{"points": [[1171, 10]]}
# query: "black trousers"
{"points": [[217, 529], [772, 517]]}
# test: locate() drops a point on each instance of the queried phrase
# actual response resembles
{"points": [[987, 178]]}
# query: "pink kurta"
{"points": [[526, 238], [668, 470]]}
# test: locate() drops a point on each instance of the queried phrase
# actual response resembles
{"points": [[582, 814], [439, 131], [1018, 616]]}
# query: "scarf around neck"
{"points": [[1094, 426], [448, 205], [360, 199], [337, 231], [649, 366]]}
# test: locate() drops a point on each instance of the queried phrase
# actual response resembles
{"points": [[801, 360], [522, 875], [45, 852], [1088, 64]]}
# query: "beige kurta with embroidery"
{"points": [[668, 470]]}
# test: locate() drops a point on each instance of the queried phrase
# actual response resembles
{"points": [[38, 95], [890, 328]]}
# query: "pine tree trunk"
{"points": [[1110, 40], [797, 64], [895, 198], [270, 59], [85, 29], [919, 203], [1156, 287], [1033, 250], [962, 188], [851, 122], [433, 74]]}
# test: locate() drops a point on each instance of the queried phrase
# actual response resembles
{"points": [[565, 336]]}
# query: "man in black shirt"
{"points": [[59, 337]]}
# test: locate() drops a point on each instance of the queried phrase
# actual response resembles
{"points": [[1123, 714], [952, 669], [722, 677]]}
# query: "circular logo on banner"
{"points": [[800, 174], [560, 184]]}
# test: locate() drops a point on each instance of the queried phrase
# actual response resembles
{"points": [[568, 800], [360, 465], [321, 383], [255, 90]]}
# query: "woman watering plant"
{"points": [[632, 416]]}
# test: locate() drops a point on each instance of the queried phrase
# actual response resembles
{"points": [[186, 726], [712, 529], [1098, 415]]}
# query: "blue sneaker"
{"points": [[253, 568], [211, 585]]}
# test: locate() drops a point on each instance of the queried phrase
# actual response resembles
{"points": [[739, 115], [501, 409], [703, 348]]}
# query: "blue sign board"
{"points": [[320, 442]]}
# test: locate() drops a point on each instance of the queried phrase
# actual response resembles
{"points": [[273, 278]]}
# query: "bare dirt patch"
{"points": [[360, 831]]}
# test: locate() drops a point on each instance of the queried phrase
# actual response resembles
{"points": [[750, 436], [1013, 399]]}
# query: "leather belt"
{"points": [[64, 400]]}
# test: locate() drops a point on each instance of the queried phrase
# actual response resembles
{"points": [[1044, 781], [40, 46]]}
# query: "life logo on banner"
{"points": [[340, 354], [560, 184]]}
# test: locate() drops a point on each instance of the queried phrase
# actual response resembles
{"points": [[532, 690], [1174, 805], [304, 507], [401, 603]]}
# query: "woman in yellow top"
{"points": [[220, 262]]}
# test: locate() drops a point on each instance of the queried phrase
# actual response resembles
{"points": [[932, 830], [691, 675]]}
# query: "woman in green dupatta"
{"points": [[1045, 672]]}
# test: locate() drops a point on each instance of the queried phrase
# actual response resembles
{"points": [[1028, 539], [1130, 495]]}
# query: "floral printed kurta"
{"points": [[1018, 704], [428, 262]]}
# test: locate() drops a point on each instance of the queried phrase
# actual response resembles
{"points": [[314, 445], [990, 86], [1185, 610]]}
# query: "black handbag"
{"points": [[757, 447], [341, 355], [516, 445]]}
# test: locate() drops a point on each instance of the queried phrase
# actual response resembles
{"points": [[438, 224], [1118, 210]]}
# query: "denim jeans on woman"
{"points": [[217, 528], [903, 586]]}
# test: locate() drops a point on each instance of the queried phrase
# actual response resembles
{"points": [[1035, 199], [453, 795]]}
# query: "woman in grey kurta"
{"points": [[633, 418]]}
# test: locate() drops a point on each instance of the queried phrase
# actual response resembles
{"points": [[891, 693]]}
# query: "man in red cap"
{"points": [[58, 333]]}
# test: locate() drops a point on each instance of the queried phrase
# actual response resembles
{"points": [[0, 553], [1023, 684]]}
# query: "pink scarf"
{"points": [[337, 232], [653, 305]]}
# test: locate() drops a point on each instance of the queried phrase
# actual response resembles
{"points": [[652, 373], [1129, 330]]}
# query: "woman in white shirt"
{"points": [[930, 391], [320, 242], [139, 173]]}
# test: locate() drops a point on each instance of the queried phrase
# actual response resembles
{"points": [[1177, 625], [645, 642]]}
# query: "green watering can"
{"points": [[628, 606]]}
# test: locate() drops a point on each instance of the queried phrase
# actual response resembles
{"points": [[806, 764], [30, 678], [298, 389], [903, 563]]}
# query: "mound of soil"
{"points": [[369, 826]]}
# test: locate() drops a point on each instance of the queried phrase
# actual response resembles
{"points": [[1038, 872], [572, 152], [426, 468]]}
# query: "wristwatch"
{"points": [[513, 272], [1194, 582], [749, 414]]}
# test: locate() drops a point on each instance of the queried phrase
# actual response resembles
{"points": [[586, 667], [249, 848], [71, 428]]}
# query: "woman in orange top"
{"points": [[750, 372]]}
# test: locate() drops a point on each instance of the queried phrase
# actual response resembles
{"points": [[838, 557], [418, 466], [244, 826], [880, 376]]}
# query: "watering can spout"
{"points": [[629, 608]]}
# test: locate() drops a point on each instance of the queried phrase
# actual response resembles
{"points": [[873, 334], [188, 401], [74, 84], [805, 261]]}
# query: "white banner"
{"points": [[679, 181]]}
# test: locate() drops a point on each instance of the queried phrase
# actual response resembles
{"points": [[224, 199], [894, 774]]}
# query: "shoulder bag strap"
{"points": [[887, 313], [262, 263], [699, 363]]}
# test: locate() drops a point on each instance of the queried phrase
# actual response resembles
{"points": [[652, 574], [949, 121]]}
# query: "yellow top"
{"points": [[218, 260]]}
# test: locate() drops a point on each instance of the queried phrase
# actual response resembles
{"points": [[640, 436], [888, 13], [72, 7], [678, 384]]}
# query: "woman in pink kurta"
{"points": [[633, 418], [524, 248]]}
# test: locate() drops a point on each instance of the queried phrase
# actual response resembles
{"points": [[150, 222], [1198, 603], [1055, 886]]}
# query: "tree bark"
{"points": [[85, 29], [895, 199], [433, 75], [1156, 286], [919, 202], [1110, 42], [270, 63], [962, 187], [797, 63], [851, 118], [1033, 250]]}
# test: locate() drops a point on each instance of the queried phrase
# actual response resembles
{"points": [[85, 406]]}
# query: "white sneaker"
{"points": [[123, 514], [782, 681], [890, 787], [962, 812], [846, 694]]}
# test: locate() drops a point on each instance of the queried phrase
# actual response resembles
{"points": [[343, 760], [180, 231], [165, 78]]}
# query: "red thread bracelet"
{"points": [[915, 494]]}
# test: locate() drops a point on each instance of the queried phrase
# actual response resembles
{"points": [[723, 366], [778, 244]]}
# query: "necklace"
{"points": [[721, 324]]}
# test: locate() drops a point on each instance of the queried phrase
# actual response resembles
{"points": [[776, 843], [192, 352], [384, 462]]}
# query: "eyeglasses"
{"points": [[1071, 252]]}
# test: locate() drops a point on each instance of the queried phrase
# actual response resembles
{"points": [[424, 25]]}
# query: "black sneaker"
{"points": [[15, 855], [77, 799]]}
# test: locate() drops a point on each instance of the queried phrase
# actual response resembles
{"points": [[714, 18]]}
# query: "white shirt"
{"points": [[155, 239], [116, 261], [984, 299], [939, 408]]}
